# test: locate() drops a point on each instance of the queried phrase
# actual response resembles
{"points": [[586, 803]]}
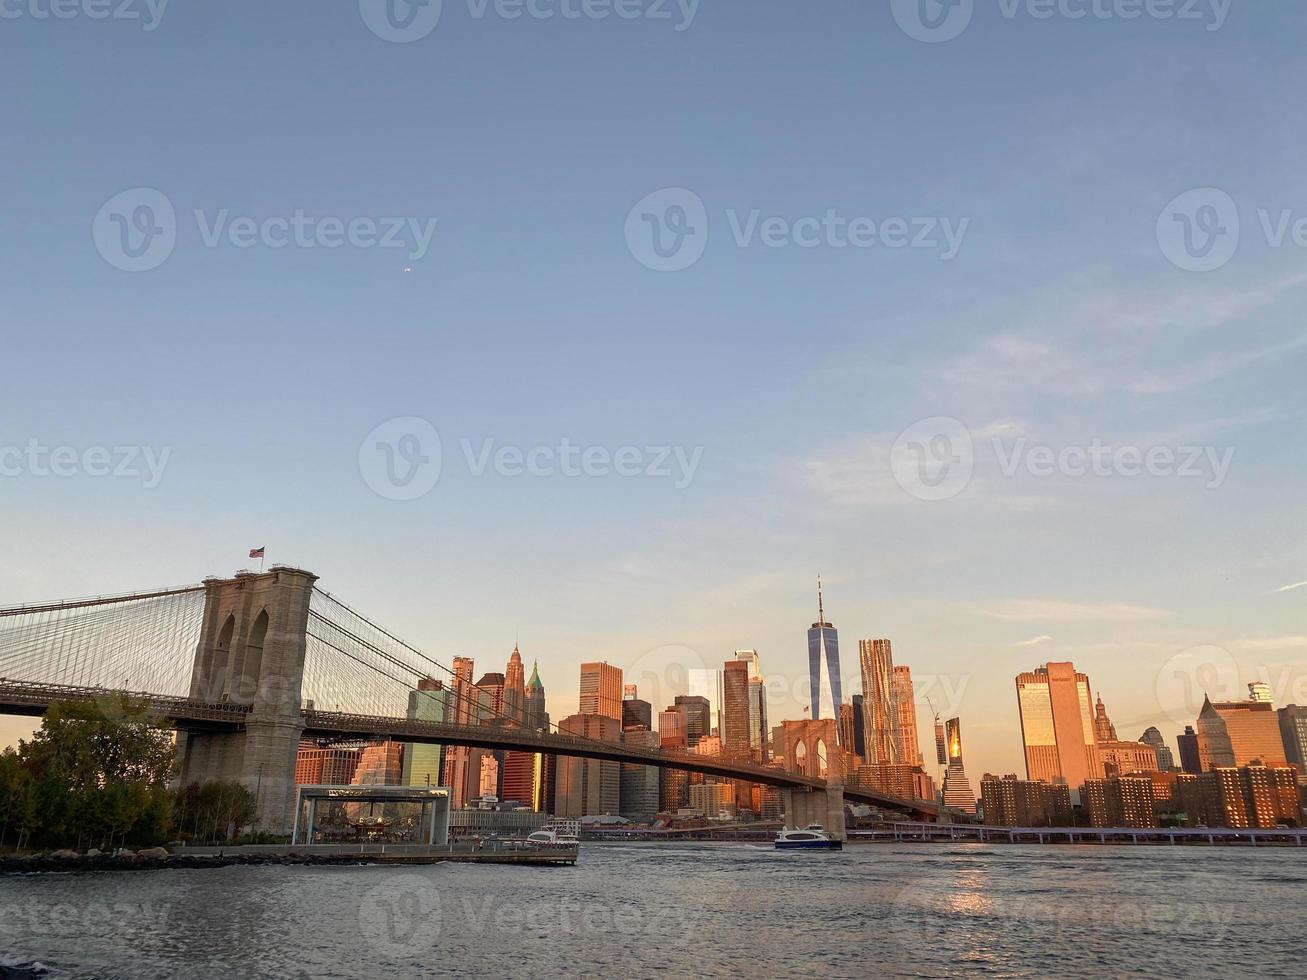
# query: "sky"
{"points": [[608, 334]]}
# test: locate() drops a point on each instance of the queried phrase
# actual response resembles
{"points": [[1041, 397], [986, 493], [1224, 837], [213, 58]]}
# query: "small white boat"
{"points": [[554, 836], [551, 839], [810, 838]]}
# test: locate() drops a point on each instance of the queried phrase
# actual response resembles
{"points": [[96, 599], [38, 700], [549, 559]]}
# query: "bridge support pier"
{"points": [[251, 652], [803, 807]]}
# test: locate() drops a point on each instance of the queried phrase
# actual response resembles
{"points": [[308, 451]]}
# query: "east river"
{"points": [[684, 910]]}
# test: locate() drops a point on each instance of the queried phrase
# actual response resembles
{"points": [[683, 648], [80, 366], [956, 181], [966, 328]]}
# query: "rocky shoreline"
{"points": [[155, 859]]}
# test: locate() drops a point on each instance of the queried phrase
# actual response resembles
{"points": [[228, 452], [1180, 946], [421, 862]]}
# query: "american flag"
{"points": [[257, 552]]}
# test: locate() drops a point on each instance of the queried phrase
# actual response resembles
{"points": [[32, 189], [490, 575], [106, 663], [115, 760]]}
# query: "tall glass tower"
{"points": [[824, 664]]}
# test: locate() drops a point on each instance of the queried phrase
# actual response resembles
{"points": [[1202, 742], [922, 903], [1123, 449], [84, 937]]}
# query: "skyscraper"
{"points": [[635, 713], [757, 704], [697, 713], [1254, 731], [1057, 725], [601, 691], [1104, 730], [639, 784], [423, 763], [706, 683], [958, 793], [588, 787], [941, 743], [1293, 732], [1215, 750], [535, 715], [735, 709], [1165, 758], [1190, 758], [823, 663], [880, 713], [905, 700], [514, 688]]}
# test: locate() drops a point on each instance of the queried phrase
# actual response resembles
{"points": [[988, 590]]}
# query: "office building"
{"points": [[1190, 757], [639, 788], [588, 787], [905, 702], [757, 705], [1057, 725], [1254, 731], [857, 702], [823, 664], [601, 691], [1293, 733], [636, 714], [697, 712], [1165, 758], [423, 762]]}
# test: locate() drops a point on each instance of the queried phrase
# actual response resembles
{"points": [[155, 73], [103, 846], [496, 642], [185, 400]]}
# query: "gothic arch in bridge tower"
{"points": [[246, 678], [215, 677], [820, 760]]}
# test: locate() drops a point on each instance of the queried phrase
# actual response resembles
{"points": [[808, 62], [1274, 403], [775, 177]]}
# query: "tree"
{"points": [[97, 774]]}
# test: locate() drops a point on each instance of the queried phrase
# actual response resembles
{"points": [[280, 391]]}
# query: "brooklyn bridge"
{"points": [[245, 667]]}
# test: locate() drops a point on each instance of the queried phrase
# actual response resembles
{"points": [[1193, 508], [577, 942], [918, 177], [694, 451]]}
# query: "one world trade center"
{"points": [[824, 664]]}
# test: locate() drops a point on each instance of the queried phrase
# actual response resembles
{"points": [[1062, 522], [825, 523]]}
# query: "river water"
{"points": [[698, 910]]}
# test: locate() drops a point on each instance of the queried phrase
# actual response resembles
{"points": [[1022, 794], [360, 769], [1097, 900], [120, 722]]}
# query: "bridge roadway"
{"points": [[23, 698]]}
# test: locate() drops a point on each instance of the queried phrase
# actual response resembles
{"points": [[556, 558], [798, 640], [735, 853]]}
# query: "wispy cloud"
{"points": [[1038, 610], [1290, 588], [1034, 641]]}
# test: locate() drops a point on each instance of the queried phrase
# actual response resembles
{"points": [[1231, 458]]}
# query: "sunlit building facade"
{"points": [[958, 793], [1057, 725], [601, 691], [823, 664]]}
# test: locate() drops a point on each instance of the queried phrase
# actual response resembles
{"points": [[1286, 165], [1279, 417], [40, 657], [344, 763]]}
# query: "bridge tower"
{"points": [[251, 652]]}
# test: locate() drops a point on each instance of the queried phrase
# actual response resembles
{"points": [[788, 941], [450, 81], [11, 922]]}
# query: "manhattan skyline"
{"points": [[785, 376]]}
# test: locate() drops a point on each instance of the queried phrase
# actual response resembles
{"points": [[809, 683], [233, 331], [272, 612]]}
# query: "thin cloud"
{"points": [[1034, 641], [1290, 588], [1037, 610]]}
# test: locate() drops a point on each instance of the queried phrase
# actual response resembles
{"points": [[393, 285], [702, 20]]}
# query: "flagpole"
{"points": [[261, 557]]}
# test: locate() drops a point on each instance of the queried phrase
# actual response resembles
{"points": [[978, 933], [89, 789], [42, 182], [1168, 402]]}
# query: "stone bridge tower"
{"points": [[251, 652]]}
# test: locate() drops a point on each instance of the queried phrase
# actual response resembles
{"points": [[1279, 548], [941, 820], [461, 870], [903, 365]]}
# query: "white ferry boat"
{"points": [[811, 837], [559, 833]]}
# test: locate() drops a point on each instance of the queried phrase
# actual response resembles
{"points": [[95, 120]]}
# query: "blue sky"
{"points": [[1063, 319]]}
